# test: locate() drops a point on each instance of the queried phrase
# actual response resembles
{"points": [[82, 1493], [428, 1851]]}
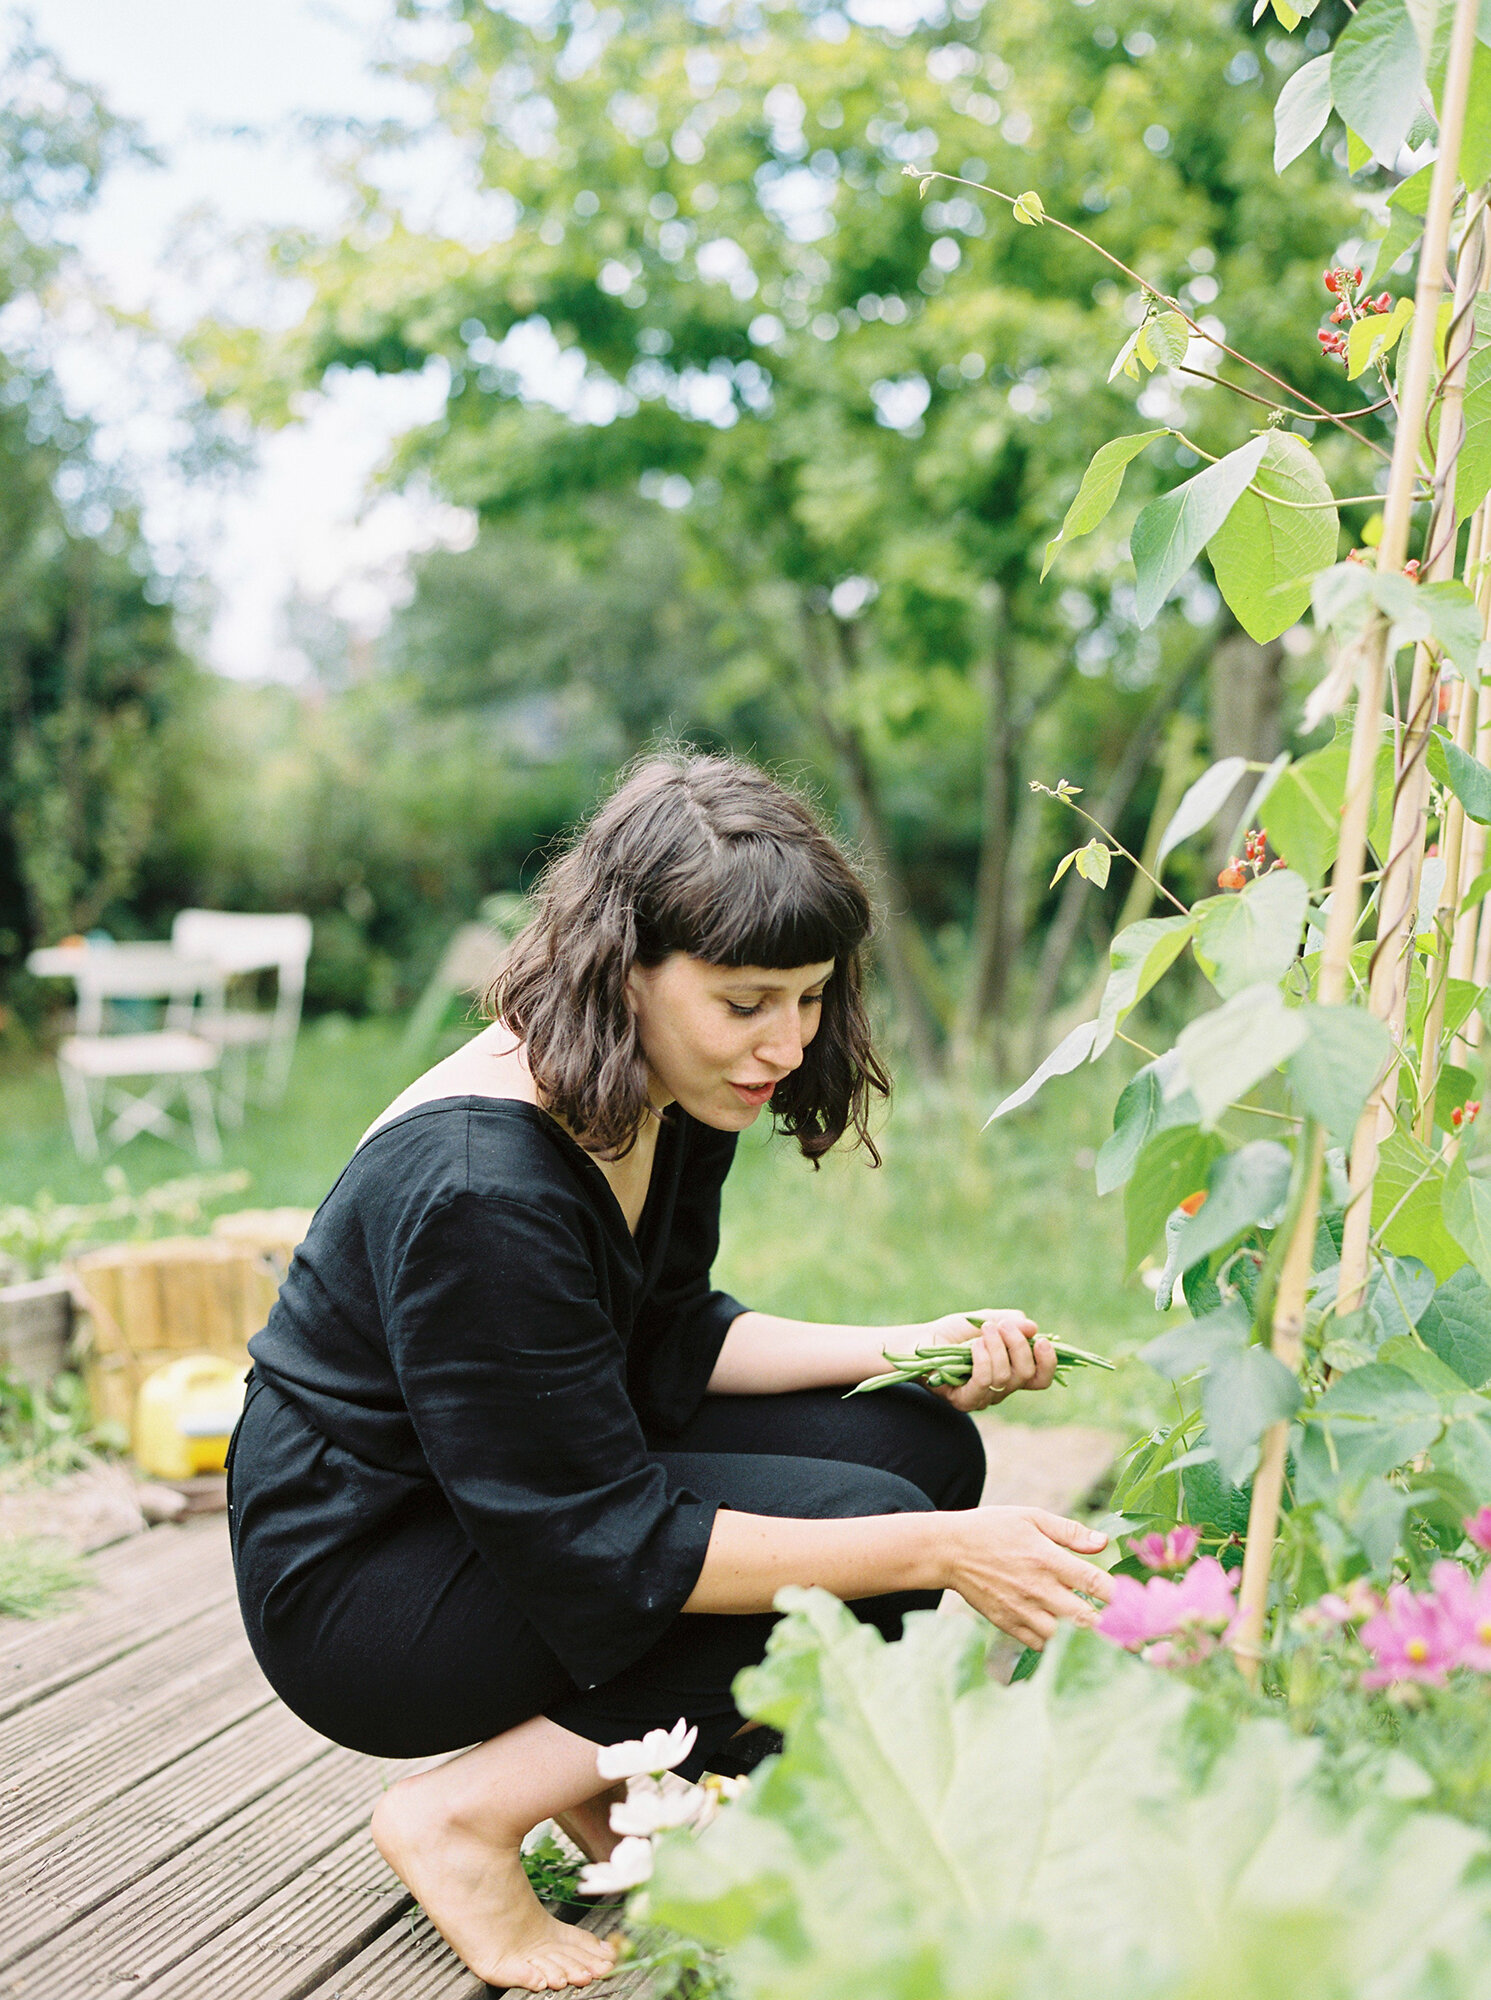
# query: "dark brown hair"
{"points": [[709, 856]]}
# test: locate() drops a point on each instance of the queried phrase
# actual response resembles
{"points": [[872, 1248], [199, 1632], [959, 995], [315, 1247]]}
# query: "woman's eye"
{"points": [[743, 1012], [812, 999]]}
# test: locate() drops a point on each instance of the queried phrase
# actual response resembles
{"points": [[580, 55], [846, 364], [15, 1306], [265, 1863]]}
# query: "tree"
{"points": [[87, 648], [852, 388]]}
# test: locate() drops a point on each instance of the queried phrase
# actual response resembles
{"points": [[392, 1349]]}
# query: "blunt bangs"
{"points": [[756, 900]]}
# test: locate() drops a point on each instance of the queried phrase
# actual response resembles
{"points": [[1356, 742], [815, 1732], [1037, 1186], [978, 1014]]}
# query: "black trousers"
{"points": [[408, 1645]]}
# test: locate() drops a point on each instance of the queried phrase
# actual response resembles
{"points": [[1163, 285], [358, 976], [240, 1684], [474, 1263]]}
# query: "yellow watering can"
{"points": [[184, 1416]]}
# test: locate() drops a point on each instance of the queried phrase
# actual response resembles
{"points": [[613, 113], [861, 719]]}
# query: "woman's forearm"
{"points": [[765, 1356], [751, 1556]]}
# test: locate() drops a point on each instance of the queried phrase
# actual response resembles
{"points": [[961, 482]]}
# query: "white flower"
{"points": [[727, 1788], [652, 1805], [630, 1864], [658, 1751]]}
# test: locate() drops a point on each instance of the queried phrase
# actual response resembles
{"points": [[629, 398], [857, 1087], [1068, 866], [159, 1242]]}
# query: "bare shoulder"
{"points": [[491, 1064]]}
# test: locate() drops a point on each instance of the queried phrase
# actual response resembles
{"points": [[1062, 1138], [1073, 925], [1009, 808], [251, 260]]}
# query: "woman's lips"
{"points": [[753, 1093]]}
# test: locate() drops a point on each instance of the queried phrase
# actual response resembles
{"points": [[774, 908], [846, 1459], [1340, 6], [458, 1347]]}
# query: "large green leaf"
{"points": [[1377, 1418], [1173, 1165], [1345, 1051], [1068, 1053], [1377, 76], [1456, 1326], [1224, 1053], [1201, 803], [1469, 781], [1467, 1212], [1097, 1829], [1241, 1395], [1142, 1110], [1475, 140], [1253, 936], [1302, 814], [1141, 954], [1184, 1350], [1243, 1189], [1266, 552], [1099, 489], [1173, 530], [1302, 110], [1410, 1182]]}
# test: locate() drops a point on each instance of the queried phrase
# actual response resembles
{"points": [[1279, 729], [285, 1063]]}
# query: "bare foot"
{"points": [[478, 1898], [588, 1825]]}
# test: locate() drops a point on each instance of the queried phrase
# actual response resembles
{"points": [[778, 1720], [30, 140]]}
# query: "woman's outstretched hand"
{"points": [[1022, 1568], [1006, 1353]]}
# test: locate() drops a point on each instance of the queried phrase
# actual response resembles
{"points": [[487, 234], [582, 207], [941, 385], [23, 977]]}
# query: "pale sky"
{"points": [[217, 89]]}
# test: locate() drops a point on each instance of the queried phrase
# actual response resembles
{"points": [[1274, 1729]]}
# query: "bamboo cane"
{"points": [[1346, 877], [1472, 861], [1447, 917], [1397, 901]]}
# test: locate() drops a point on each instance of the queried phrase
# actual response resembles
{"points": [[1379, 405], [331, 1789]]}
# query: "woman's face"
{"points": [[718, 1038]]}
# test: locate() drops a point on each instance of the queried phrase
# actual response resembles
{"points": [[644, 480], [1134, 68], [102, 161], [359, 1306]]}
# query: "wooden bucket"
{"points": [[148, 1303]]}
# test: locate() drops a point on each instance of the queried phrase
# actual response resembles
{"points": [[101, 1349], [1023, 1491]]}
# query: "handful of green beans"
{"points": [[949, 1366]]}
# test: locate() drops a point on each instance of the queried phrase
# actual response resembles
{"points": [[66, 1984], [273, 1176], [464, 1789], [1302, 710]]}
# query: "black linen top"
{"points": [[470, 1308]]}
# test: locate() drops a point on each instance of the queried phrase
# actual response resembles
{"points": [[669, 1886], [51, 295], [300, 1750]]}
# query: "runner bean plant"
{"points": [[1306, 1154]]}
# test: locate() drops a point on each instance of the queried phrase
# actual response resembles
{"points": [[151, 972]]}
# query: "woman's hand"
{"points": [[1017, 1566], [1005, 1353]]}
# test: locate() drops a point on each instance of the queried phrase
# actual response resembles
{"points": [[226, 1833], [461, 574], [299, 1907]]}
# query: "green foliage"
{"points": [[1152, 1839], [37, 1577], [50, 1431], [88, 657], [1277, 534], [1173, 530]]}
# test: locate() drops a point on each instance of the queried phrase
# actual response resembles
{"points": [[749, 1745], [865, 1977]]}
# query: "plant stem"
{"points": [[1119, 848], [1313, 414]]}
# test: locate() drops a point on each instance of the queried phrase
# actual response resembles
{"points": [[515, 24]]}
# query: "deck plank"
{"points": [[64, 1758], [142, 1588], [410, 1961], [55, 1882], [274, 1851]]}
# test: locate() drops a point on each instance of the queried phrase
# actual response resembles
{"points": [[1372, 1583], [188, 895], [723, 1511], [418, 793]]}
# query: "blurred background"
{"points": [[409, 412]]}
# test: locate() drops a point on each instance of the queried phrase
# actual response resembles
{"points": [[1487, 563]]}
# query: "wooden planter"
{"points": [[36, 1323], [148, 1303]]}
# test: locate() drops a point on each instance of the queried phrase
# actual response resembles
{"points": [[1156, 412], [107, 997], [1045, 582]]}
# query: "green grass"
{"points": [[37, 1577], [955, 1218]]}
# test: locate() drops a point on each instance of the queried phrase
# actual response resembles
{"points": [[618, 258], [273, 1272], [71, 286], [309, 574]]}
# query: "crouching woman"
{"points": [[511, 1478]]}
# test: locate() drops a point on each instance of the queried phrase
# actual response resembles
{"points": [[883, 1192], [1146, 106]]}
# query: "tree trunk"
{"points": [[899, 945], [1245, 709]]}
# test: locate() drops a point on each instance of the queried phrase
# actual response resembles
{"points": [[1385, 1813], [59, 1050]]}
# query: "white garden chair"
{"points": [[100, 1062], [239, 942]]}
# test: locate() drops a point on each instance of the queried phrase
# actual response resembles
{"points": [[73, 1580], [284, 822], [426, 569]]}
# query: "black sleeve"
{"points": [[514, 1378], [682, 1323]]}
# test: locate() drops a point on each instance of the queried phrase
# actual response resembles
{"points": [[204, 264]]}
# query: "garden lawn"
{"points": [[955, 1217]]}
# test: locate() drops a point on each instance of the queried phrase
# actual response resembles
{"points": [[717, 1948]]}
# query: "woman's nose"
{"points": [[783, 1045]]}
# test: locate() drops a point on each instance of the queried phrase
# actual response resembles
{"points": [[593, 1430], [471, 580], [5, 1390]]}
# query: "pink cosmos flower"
{"points": [[1465, 1602], [1128, 1617], [1478, 1527], [1172, 1551], [1140, 1613], [1349, 1607], [1411, 1639]]}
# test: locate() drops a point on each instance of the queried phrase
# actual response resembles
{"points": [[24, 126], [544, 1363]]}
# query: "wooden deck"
{"points": [[169, 1830]]}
